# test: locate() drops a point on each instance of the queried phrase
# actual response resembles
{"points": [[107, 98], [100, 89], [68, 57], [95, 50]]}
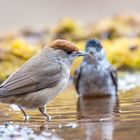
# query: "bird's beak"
{"points": [[79, 53]]}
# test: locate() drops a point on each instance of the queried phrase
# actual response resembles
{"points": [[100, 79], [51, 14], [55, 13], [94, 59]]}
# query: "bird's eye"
{"points": [[69, 53]]}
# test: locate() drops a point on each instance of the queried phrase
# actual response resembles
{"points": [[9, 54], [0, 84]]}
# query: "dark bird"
{"points": [[95, 76], [41, 78]]}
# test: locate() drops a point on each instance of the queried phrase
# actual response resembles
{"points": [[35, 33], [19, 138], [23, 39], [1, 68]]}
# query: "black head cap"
{"points": [[94, 43]]}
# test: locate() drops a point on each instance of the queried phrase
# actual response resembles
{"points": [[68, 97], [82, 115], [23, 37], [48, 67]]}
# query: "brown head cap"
{"points": [[64, 45]]}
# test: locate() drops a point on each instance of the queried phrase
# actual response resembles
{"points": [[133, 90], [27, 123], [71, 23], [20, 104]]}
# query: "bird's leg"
{"points": [[44, 113], [26, 117]]}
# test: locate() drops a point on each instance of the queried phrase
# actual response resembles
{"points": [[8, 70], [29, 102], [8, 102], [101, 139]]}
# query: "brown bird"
{"points": [[41, 78]]}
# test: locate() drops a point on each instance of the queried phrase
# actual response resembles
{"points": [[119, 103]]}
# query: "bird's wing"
{"points": [[114, 76], [77, 76], [36, 74]]}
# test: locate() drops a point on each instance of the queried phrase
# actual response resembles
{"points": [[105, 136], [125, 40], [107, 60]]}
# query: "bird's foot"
{"points": [[26, 118], [48, 117], [44, 113]]}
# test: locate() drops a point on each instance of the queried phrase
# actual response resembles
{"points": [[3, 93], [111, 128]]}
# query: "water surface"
{"points": [[74, 118]]}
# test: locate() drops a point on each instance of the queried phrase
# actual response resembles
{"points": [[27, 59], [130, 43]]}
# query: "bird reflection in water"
{"points": [[96, 116]]}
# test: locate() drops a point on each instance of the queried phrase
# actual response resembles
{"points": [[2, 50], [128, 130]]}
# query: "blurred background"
{"points": [[18, 13], [28, 25]]}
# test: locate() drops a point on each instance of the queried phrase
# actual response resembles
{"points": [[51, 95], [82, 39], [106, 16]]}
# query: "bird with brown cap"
{"points": [[41, 78]]}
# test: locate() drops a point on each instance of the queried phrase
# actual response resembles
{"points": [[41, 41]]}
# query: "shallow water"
{"points": [[74, 118]]}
